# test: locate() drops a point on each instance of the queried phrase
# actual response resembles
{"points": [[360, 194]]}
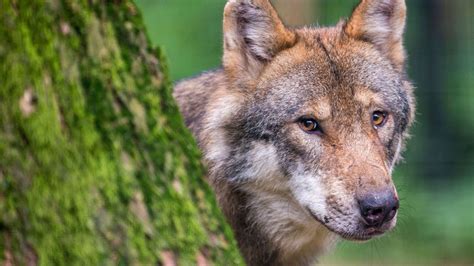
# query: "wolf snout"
{"points": [[378, 208]]}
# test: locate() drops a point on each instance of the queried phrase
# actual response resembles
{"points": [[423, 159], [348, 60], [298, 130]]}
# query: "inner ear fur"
{"points": [[382, 23], [253, 35]]}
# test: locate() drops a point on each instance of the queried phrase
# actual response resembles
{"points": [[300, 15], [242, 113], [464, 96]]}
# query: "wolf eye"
{"points": [[309, 125], [379, 118]]}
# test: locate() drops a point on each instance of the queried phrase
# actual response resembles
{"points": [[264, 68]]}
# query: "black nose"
{"points": [[378, 208]]}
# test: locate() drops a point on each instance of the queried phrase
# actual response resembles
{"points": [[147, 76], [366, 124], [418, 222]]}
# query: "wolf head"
{"points": [[313, 119]]}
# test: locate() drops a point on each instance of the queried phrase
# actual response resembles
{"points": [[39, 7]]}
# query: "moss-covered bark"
{"points": [[96, 166]]}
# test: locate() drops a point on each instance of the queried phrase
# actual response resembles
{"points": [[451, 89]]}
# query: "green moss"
{"points": [[102, 170]]}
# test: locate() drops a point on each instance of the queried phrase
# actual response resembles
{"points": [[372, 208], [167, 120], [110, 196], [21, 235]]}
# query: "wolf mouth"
{"points": [[369, 233]]}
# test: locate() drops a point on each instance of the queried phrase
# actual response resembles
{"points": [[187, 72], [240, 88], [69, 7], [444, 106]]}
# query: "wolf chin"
{"points": [[300, 128]]}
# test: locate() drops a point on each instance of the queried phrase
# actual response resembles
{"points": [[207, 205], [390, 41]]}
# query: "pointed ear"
{"points": [[381, 22], [253, 36]]}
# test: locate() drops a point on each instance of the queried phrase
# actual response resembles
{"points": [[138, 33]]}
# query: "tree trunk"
{"points": [[96, 166]]}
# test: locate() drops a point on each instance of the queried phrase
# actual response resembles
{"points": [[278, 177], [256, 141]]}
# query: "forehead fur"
{"points": [[327, 65]]}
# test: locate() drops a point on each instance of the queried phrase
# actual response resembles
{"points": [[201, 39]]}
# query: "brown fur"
{"points": [[288, 194]]}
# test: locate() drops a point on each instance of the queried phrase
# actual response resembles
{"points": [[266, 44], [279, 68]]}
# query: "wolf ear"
{"points": [[381, 22], [253, 36]]}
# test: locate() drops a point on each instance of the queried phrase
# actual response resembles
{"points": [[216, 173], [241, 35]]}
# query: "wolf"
{"points": [[301, 128]]}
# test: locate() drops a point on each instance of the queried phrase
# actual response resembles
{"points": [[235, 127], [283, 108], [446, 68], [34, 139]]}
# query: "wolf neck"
{"points": [[271, 231]]}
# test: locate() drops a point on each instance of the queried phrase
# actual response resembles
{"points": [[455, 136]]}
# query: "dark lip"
{"points": [[319, 220], [369, 233], [364, 236]]}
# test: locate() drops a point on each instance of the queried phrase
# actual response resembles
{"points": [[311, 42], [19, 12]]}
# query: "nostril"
{"points": [[390, 215], [375, 211], [373, 215], [392, 212]]}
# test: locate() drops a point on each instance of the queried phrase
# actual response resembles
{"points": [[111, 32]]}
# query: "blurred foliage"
{"points": [[435, 182]]}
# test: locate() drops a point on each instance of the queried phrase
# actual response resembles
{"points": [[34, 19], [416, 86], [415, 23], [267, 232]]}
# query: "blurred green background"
{"points": [[436, 180]]}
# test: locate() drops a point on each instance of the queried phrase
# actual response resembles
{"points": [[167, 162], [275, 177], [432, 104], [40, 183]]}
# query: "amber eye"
{"points": [[309, 125], [379, 118]]}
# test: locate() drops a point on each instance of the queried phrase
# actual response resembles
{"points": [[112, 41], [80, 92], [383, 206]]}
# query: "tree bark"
{"points": [[96, 166]]}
